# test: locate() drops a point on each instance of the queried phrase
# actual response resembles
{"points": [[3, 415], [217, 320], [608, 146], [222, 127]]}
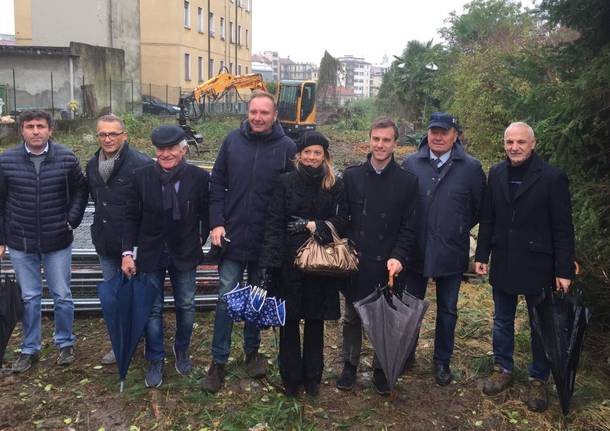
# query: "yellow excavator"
{"points": [[296, 101]]}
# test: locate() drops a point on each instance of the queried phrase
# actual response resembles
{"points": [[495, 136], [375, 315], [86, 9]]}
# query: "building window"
{"points": [[222, 28], [200, 68], [231, 32], [211, 68], [200, 19], [239, 69], [211, 27], [246, 70], [222, 65], [247, 44], [187, 67], [230, 67], [187, 13], [239, 34]]}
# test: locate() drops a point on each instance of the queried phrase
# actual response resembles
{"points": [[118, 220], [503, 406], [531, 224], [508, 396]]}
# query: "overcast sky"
{"points": [[7, 17], [303, 30]]}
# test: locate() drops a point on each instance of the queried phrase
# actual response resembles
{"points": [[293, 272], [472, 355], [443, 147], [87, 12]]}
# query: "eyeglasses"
{"points": [[111, 135]]}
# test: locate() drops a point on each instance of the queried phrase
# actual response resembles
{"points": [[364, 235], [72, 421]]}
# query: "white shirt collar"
{"points": [[46, 149], [444, 157]]}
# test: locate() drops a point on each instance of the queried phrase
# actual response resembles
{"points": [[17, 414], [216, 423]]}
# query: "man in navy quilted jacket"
{"points": [[43, 194]]}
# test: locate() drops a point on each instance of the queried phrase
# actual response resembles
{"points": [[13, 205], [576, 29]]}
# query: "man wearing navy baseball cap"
{"points": [[167, 218], [451, 185]]}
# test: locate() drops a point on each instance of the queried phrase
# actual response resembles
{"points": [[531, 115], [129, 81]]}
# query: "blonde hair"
{"points": [[329, 179]]}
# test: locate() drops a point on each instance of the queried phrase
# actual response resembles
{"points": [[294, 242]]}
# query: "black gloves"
{"points": [[264, 278], [297, 225]]}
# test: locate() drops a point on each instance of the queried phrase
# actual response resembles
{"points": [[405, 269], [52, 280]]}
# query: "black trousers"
{"points": [[298, 366]]}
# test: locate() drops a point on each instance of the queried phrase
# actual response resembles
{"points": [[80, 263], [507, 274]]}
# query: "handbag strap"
{"points": [[333, 231]]}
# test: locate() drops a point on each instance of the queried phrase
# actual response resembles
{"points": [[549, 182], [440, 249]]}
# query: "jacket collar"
{"points": [[371, 169], [50, 149], [276, 132], [457, 152], [531, 176]]}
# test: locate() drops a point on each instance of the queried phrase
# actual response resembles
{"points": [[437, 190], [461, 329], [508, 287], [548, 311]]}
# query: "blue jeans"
{"points": [[183, 289], [231, 272], [56, 267], [447, 291], [110, 266], [505, 306]]}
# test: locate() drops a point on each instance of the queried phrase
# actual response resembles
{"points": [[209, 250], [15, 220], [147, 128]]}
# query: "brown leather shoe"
{"points": [[256, 364], [537, 397], [215, 378], [497, 382]]}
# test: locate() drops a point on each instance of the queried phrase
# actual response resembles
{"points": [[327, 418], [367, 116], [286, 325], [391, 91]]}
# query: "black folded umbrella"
{"points": [[11, 310], [560, 321], [216, 252]]}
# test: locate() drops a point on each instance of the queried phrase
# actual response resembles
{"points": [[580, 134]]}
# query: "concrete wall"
{"points": [[97, 65], [106, 23]]}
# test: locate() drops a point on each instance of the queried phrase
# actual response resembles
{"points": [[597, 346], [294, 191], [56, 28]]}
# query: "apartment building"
{"points": [[186, 42], [178, 43], [355, 74]]}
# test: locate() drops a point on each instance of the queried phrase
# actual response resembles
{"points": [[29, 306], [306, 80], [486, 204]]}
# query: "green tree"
{"points": [[327, 80], [407, 89]]}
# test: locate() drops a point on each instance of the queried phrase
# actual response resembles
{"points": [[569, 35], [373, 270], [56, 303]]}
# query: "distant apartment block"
{"points": [[355, 74], [298, 71]]}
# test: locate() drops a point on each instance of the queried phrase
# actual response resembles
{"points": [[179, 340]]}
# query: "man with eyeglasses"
{"points": [[43, 195], [109, 173]]}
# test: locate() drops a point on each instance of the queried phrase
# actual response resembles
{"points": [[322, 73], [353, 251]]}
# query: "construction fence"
{"points": [[83, 99]]}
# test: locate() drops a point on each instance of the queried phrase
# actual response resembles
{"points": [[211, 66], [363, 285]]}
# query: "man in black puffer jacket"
{"points": [[43, 194], [110, 174], [250, 158]]}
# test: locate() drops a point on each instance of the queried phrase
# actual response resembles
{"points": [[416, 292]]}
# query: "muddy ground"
{"points": [[85, 396]]}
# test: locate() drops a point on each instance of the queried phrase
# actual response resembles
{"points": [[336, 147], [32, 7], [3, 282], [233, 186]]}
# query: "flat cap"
{"points": [[167, 135]]}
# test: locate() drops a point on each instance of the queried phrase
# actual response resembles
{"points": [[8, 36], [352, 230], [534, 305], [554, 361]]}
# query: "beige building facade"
{"points": [[185, 42], [175, 43]]}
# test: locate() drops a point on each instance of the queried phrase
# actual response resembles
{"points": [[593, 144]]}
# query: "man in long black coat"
{"points": [[451, 185], [381, 199], [526, 226], [167, 219], [109, 175]]}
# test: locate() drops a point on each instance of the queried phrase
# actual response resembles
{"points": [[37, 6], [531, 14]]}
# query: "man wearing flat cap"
{"points": [[167, 219], [451, 185]]}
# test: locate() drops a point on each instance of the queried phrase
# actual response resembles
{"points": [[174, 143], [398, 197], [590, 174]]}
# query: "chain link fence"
{"points": [[83, 99]]}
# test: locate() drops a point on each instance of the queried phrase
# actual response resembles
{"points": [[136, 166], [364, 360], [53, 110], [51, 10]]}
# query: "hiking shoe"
{"points": [[409, 364], [500, 380], [537, 397], [154, 375], [312, 388], [184, 365], [256, 364], [24, 362], [347, 379], [109, 358], [442, 374], [66, 356], [215, 378], [381, 383]]}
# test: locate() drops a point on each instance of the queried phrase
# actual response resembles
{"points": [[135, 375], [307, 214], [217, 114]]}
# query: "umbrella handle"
{"points": [[391, 283]]}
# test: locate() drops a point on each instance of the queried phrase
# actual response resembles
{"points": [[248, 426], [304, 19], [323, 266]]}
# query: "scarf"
{"points": [[169, 193]]}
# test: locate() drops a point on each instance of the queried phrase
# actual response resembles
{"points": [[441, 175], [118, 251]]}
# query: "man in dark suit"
{"points": [[381, 199], [167, 219], [526, 226]]}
